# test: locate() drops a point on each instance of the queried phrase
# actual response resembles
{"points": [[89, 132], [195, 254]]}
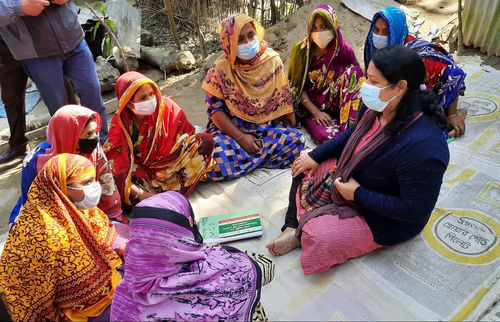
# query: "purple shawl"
{"points": [[171, 275]]}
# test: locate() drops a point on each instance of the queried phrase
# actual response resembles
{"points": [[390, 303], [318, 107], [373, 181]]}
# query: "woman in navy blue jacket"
{"points": [[377, 183]]}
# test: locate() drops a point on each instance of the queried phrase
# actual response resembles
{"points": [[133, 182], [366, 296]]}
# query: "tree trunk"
{"points": [[203, 46], [204, 13], [262, 3], [171, 22], [460, 32], [275, 14]]}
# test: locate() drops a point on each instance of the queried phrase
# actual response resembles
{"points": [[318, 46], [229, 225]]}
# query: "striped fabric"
{"points": [[266, 265], [268, 270], [329, 240]]}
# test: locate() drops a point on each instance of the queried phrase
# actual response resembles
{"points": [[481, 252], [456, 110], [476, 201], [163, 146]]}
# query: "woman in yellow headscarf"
{"points": [[249, 104], [59, 263]]}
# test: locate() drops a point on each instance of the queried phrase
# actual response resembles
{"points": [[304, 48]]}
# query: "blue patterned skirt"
{"points": [[281, 146]]}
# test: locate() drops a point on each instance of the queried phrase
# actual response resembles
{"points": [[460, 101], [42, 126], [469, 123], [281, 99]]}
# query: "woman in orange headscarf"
{"points": [[73, 129], [151, 144], [59, 262]]}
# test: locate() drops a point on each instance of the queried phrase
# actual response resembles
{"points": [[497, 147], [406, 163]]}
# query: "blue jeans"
{"points": [[77, 65]]}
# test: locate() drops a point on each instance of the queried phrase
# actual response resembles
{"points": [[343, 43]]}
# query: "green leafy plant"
{"points": [[106, 46], [110, 27]]}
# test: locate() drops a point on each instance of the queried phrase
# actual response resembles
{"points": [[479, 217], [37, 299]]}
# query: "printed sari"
{"points": [[163, 153], [443, 76], [256, 97], [58, 263], [172, 276], [331, 81], [63, 132]]}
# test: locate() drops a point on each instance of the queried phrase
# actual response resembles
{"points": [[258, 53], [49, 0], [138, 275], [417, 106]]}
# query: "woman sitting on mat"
{"points": [[172, 276], [151, 144], [325, 77], [443, 76], [249, 104], [60, 260], [377, 183]]}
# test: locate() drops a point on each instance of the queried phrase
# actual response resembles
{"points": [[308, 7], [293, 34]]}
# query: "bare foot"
{"points": [[285, 243]]}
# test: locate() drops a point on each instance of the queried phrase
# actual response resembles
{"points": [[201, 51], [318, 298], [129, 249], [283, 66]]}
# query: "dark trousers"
{"points": [[291, 214], [13, 83]]}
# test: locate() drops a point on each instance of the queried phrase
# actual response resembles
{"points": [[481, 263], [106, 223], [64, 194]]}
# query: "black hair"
{"points": [[92, 118], [402, 63]]}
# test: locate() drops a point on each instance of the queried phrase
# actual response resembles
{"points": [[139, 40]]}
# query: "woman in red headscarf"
{"points": [[151, 144]]}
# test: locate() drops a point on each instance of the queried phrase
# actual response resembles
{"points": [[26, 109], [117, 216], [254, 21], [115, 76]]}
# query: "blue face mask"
{"points": [[380, 41], [249, 51], [370, 95]]}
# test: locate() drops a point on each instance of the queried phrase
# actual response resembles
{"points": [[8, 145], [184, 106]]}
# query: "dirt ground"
{"points": [[186, 89]]}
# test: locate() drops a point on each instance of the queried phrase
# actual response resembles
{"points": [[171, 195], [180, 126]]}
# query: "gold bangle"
{"points": [[452, 115], [305, 100]]}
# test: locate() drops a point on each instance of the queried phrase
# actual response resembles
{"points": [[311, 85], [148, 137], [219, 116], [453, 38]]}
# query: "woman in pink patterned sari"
{"points": [[325, 77]]}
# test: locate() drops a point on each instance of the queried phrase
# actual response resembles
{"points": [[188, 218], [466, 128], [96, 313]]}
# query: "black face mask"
{"points": [[88, 145]]}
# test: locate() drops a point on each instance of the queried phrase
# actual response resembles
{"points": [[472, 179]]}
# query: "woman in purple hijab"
{"points": [[171, 275]]}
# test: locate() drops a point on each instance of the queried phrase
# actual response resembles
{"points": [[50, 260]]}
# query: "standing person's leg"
{"points": [[13, 85], [47, 74], [70, 92], [79, 67]]}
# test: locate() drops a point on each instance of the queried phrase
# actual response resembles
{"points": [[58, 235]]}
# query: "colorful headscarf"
{"points": [[339, 53], [63, 132], [157, 134], [171, 275], [256, 92], [442, 74], [58, 262], [397, 30]]}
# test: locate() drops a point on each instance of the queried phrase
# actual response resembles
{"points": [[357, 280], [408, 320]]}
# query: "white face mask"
{"points": [[249, 50], [322, 38], [380, 41], [370, 95], [145, 107], [92, 195]]}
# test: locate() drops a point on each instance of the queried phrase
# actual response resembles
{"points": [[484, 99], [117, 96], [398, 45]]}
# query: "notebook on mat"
{"points": [[234, 226]]}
